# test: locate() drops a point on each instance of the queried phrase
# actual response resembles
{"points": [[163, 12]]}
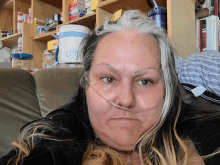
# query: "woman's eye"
{"points": [[144, 82], [108, 79]]}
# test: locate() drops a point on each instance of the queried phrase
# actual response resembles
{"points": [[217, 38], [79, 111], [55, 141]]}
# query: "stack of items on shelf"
{"points": [[76, 9], [88, 7], [5, 33], [51, 24], [22, 17], [79, 8], [41, 26], [208, 27]]}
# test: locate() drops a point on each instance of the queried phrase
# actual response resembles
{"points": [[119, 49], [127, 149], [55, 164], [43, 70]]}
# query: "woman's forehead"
{"points": [[129, 49]]}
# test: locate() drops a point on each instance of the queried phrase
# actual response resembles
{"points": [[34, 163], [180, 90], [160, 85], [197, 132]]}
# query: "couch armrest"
{"points": [[18, 105]]}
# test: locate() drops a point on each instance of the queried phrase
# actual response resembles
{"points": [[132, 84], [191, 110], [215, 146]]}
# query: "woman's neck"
{"points": [[132, 158]]}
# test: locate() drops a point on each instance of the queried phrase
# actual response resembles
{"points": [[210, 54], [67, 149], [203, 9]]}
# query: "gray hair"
{"points": [[139, 21]]}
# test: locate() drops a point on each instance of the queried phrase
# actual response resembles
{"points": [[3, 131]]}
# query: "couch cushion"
{"points": [[56, 86], [18, 105]]}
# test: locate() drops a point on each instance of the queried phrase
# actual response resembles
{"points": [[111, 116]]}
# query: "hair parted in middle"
{"points": [[163, 133], [163, 144]]}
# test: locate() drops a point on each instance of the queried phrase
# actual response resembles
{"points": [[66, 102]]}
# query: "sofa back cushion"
{"points": [[18, 105], [56, 86]]}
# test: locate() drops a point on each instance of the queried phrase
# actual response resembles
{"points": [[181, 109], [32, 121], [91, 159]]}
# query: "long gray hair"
{"points": [[139, 21], [161, 144]]}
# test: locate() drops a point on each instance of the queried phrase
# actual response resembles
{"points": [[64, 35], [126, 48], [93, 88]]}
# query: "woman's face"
{"points": [[126, 71]]}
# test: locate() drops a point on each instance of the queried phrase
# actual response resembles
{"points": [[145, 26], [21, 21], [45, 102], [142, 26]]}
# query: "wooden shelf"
{"points": [[112, 6], [45, 37], [201, 14], [13, 39], [26, 1], [9, 5], [55, 3], [88, 21]]}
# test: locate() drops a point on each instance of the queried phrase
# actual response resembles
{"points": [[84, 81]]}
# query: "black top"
{"points": [[207, 137], [46, 155], [58, 152]]}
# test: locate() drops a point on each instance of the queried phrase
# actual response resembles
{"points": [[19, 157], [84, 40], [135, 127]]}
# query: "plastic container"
{"points": [[23, 61], [20, 44], [159, 15], [47, 59], [70, 37]]}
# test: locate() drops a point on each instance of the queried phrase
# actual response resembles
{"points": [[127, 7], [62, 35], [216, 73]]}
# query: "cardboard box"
{"points": [[52, 45], [116, 15], [87, 4], [76, 9], [37, 23], [88, 11], [94, 3]]}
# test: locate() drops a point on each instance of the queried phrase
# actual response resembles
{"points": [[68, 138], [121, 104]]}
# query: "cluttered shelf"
{"points": [[12, 39], [112, 6], [45, 37], [55, 3], [87, 20]]}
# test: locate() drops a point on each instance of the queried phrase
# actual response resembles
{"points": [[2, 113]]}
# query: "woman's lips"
{"points": [[126, 121]]}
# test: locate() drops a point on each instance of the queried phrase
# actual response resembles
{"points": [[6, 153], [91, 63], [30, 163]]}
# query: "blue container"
{"points": [[159, 14], [23, 61]]}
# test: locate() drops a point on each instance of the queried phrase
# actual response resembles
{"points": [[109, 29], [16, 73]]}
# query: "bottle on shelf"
{"points": [[20, 44], [20, 18]]}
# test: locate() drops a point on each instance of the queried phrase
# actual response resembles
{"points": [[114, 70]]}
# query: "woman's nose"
{"points": [[125, 95]]}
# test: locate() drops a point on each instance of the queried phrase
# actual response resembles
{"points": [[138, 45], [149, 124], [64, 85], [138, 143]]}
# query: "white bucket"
{"points": [[70, 37]]}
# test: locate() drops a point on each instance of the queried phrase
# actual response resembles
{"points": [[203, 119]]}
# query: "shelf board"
{"points": [[26, 1], [45, 37], [9, 5], [112, 6], [202, 14], [88, 21], [13, 39], [55, 3]]}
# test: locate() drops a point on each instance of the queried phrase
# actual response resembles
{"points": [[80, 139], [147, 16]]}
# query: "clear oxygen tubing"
{"points": [[157, 124], [112, 103]]}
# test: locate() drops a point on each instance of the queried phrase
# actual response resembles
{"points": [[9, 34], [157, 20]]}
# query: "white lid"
{"points": [[74, 28]]}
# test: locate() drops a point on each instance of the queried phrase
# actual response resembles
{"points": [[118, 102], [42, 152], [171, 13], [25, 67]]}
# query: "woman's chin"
{"points": [[122, 142]]}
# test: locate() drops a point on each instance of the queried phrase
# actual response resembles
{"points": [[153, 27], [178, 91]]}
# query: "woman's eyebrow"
{"points": [[136, 72]]}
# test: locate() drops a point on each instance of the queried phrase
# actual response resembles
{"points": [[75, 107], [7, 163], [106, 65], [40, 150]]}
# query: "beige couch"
{"points": [[25, 97]]}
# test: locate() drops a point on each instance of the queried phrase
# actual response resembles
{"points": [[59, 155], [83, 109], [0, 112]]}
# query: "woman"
{"points": [[128, 109]]}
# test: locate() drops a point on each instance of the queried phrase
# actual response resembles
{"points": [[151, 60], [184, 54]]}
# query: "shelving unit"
{"points": [[180, 21], [112, 6], [10, 40], [45, 37], [88, 21], [9, 5]]}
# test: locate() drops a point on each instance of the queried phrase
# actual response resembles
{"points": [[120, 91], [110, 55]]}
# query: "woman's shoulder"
{"points": [[54, 153]]}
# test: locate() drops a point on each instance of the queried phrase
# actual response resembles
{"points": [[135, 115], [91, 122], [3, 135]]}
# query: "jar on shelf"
{"points": [[48, 59], [23, 61]]}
